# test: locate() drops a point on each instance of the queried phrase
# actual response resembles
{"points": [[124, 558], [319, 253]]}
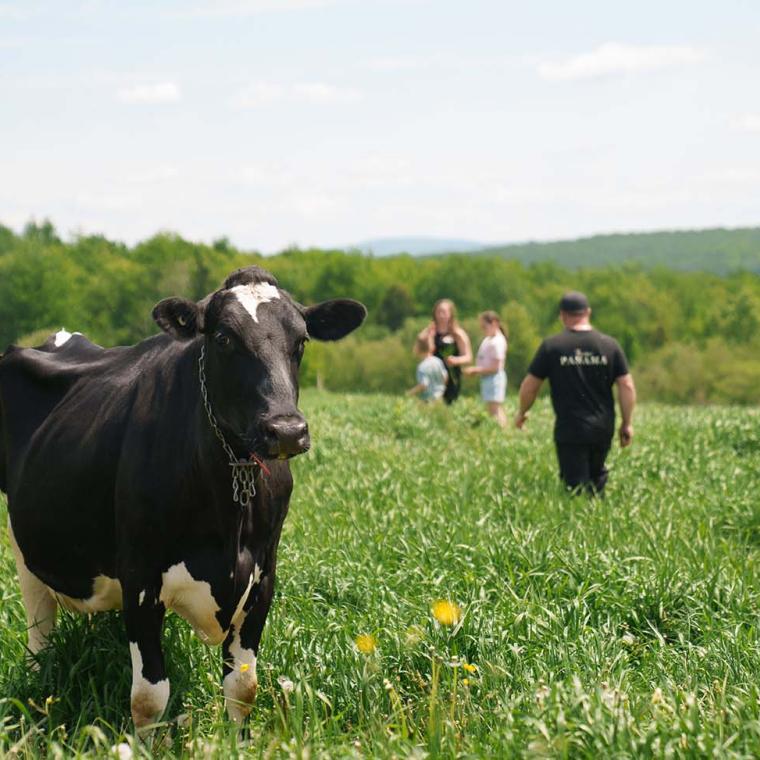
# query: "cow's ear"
{"points": [[180, 318], [332, 320]]}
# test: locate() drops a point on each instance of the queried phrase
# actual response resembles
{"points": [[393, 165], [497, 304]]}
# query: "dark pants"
{"points": [[581, 466]]}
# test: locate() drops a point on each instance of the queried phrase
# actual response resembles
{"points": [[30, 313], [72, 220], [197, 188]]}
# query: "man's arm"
{"points": [[627, 401], [529, 389]]}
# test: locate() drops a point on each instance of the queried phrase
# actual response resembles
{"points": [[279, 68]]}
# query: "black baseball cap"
{"points": [[573, 302]]}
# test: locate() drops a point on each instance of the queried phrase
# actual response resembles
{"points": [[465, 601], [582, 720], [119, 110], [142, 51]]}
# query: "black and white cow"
{"points": [[154, 477]]}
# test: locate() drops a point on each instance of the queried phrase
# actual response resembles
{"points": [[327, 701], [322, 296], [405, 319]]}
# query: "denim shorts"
{"points": [[493, 387]]}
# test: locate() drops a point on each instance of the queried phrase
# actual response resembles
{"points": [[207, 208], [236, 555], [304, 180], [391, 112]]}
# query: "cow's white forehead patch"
{"points": [[63, 336], [252, 296]]}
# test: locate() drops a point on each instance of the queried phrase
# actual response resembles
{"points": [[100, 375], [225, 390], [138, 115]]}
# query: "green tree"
{"points": [[523, 339], [395, 307]]}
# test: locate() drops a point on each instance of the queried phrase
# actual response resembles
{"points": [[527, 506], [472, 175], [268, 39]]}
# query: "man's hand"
{"points": [[470, 370], [529, 389], [626, 435]]}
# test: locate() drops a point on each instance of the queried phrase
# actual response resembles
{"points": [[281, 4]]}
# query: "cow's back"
{"points": [[65, 416]]}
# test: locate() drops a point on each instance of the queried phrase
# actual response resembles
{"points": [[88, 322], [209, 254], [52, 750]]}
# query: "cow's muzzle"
{"points": [[286, 436]]}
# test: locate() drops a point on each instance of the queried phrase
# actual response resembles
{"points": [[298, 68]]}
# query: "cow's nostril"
{"points": [[287, 436]]}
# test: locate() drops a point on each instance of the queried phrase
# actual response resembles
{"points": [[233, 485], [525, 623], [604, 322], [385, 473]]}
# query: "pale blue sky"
{"points": [[323, 122]]}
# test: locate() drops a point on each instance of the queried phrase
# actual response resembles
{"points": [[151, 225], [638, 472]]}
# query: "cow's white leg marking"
{"points": [[141, 598], [192, 600], [252, 296], [238, 614], [39, 603], [148, 699], [240, 683]]}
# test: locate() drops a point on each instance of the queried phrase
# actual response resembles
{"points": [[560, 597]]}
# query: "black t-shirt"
{"points": [[582, 366]]}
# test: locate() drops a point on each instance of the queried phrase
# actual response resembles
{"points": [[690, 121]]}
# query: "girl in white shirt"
{"points": [[492, 355]]}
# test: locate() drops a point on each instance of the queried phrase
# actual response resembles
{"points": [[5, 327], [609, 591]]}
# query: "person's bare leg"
{"points": [[496, 410]]}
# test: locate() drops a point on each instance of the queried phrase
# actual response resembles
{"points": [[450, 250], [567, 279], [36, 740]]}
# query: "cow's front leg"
{"points": [[239, 669], [239, 652], [144, 617]]}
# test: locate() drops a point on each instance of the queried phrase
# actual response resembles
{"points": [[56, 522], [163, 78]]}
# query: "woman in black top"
{"points": [[452, 344]]}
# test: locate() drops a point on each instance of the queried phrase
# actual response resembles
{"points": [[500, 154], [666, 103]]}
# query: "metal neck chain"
{"points": [[243, 471]]}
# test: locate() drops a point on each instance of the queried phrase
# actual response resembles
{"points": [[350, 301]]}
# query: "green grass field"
{"points": [[607, 628]]}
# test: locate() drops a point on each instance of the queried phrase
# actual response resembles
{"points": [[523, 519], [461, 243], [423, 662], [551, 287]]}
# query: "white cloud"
{"points": [[151, 176], [252, 7], [9, 43], [734, 175], [450, 61], [258, 94], [160, 92], [748, 122], [613, 58], [321, 93], [261, 94], [18, 11], [107, 201], [403, 63]]}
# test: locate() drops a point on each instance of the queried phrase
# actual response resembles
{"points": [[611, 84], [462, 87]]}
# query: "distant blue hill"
{"points": [[719, 250], [417, 246], [716, 250]]}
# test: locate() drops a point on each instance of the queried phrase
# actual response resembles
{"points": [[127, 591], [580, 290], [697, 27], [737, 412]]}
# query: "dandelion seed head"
{"points": [[285, 684]]}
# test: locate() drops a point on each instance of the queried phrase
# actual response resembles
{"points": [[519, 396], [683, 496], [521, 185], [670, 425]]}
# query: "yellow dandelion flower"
{"points": [[366, 643], [446, 613], [245, 667], [469, 667], [466, 681]]}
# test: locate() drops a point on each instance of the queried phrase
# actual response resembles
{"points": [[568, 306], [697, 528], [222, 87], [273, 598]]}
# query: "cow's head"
{"points": [[254, 335]]}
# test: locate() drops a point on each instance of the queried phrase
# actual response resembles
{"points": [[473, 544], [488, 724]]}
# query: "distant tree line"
{"points": [[721, 251], [692, 337]]}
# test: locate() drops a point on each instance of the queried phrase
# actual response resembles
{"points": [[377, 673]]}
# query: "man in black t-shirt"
{"points": [[582, 365]]}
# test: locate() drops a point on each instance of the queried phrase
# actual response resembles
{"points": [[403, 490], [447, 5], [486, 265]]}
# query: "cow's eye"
{"points": [[298, 353], [222, 339]]}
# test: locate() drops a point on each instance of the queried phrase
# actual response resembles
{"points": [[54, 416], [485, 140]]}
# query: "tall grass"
{"points": [[609, 628]]}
